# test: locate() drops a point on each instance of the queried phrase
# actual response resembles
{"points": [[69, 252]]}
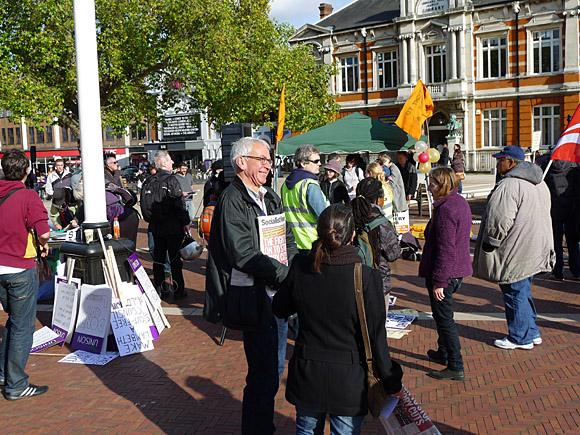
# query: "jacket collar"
{"points": [[239, 184], [445, 198]]}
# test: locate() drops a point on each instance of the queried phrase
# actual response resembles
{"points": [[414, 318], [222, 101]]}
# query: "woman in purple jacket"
{"points": [[444, 264]]}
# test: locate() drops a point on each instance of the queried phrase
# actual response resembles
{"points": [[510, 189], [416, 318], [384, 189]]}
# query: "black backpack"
{"points": [[363, 244], [153, 194]]}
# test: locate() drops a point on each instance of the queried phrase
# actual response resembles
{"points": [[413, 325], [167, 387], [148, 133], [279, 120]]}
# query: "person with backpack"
{"points": [[352, 174], [163, 206], [376, 239], [445, 262], [327, 372]]}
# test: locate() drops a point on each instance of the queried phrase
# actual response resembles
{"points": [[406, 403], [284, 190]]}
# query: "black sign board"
{"points": [[181, 127]]}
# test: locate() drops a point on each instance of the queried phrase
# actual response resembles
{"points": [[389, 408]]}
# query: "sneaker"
{"points": [[436, 357], [504, 343], [556, 277], [30, 391], [2, 380], [536, 341], [446, 374]]}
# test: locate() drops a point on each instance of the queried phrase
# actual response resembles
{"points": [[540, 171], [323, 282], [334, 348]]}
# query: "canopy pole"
{"points": [[547, 169]]}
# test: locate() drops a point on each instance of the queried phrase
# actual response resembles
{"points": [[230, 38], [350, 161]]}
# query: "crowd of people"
{"points": [[331, 219]]}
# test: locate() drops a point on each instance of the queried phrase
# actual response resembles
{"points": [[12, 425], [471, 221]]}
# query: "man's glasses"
{"points": [[316, 162], [262, 160], [113, 163]]}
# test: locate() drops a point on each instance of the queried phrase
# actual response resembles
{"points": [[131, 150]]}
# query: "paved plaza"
{"points": [[189, 384]]}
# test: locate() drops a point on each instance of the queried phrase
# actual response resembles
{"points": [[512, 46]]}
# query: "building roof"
{"points": [[361, 13]]}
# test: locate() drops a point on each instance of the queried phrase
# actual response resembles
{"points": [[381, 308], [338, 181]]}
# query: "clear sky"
{"points": [[300, 12]]}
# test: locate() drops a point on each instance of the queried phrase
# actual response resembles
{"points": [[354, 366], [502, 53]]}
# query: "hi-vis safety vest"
{"points": [[299, 214]]}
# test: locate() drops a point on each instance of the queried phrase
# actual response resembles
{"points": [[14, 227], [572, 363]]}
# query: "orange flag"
{"points": [[281, 116], [416, 110]]}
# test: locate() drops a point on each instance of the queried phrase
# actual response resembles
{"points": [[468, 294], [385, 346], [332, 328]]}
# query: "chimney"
{"points": [[325, 10]]}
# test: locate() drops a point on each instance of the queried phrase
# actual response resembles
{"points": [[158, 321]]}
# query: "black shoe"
{"points": [[2, 381], [447, 374], [436, 357], [180, 295], [30, 391], [557, 277]]}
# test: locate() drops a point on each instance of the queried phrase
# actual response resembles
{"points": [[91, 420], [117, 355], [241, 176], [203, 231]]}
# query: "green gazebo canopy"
{"points": [[351, 134]]}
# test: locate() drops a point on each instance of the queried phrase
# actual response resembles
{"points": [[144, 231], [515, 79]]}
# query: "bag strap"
{"points": [[360, 304], [9, 194], [375, 223]]}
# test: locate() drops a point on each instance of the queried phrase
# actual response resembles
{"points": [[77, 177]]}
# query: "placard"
{"points": [[401, 220], [87, 358], [93, 320], [132, 296], [536, 140], [152, 298], [45, 338], [66, 303], [129, 325], [273, 237], [406, 417]]}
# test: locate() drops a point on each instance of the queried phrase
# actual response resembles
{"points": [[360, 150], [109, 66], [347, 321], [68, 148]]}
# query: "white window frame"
{"points": [[393, 64], [500, 122], [550, 135], [429, 60], [480, 56], [531, 54], [341, 74]]}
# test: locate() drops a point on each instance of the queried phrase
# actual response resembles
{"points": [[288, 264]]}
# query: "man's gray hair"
{"points": [[516, 161], [303, 153], [160, 157], [243, 147]]}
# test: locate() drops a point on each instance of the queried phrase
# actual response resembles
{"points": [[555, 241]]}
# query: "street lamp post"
{"points": [[88, 255]]}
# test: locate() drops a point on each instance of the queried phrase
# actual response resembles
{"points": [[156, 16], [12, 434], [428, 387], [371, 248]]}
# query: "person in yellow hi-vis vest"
{"points": [[302, 197]]}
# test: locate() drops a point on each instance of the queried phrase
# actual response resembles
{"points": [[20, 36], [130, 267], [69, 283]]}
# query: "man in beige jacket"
{"points": [[515, 242]]}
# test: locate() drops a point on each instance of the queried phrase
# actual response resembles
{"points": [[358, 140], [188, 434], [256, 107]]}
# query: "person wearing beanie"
{"points": [[332, 188], [209, 189]]}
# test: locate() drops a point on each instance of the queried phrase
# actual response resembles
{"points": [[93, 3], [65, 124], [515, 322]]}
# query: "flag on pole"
{"points": [[568, 147], [416, 110], [281, 116]]}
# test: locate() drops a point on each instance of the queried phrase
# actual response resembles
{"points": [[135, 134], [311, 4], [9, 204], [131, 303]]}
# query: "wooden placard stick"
{"points": [[116, 273], [108, 265]]}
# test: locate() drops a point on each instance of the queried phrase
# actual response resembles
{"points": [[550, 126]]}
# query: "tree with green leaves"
{"points": [[224, 57]]}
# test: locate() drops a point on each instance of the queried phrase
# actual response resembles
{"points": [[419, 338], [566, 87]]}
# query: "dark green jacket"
{"points": [[234, 242]]}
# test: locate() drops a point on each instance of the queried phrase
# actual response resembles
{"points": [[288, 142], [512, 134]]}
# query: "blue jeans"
{"points": [[448, 341], [312, 423], [558, 229], [520, 311], [282, 326], [18, 293], [261, 348], [190, 209]]}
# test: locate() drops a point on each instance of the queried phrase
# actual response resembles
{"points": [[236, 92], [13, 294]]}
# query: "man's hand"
{"points": [[43, 242], [58, 227], [186, 230], [438, 294]]}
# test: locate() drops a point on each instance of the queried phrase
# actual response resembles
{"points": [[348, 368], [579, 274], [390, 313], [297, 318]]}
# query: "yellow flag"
{"points": [[281, 116], [416, 110]]}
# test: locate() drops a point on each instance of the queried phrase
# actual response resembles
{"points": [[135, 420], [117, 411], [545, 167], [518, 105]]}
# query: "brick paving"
{"points": [[189, 384]]}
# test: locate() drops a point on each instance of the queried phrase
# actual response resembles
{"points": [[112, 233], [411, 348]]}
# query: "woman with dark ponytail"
{"points": [[367, 208], [327, 372]]}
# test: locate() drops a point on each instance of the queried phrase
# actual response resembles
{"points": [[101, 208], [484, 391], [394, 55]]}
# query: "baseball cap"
{"points": [[512, 151]]}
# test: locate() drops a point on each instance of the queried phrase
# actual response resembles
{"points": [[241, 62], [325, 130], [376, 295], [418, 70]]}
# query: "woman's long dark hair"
{"points": [[335, 227], [368, 191]]}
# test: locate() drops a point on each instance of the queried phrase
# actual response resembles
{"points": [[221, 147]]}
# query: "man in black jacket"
{"points": [[240, 279], [169, 222]]}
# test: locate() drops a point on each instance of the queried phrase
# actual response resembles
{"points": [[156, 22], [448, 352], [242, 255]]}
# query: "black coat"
{"points": [[170, 215], [409, 174], [563, 180], [336, 192], [234, 242], [327, 372]]}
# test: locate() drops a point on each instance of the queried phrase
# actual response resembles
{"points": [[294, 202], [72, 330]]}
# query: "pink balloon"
{"points": [[423, 157]]}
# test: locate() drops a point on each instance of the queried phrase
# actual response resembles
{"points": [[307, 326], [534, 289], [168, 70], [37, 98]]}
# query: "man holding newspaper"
{"points": [[241, 279]]}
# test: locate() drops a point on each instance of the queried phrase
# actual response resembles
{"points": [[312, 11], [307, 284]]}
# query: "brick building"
{"points": [[504, 69]]}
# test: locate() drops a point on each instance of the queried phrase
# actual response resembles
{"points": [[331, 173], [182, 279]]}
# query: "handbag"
{"points": [[376, 395], [460, 175]]}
